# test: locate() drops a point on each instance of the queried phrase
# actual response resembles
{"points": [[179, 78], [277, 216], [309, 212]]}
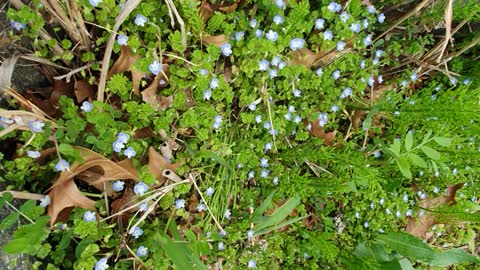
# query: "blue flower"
{"points": [[118, 146], [276, 60], [322, 119], [217, 122], [140, 188], [297, 93], [413, 77], [207, 94], [250, 234], [346, 92], [319, 72], [362, 64], [334, 7], [252, 106], [89, 216], [453, 81], [129, 152], [94, 3], [366, 224], [102, 263], [275, 180], [267, 125], [336, 74], [380, 79], [226, 49], [155, 67], [344, 16], [209, 191], [251, 174], [142, 251], [239, 35], [62, 165], [140, 20], [258, 119], [341, 46], [379, 53], [136, 232], [381, 18], [288, 116], [328, 35], [268, 146], [180, 203], [291, 108], [17, 25], [203, 72], [86, 106], [227, 214], [296, 44], [319, 24], [45, 201], [252, 264], [280, 3], [118, 185], [297, 119], [264, 162], [355, 27], [377, 154], [370, 81], [281, 65], [36, 126], [220, 246], [278, 19], [143, 207], [365, 23], [375, 61], [122, 40], [253, 23], [368, 40], [272, 73], [33, 154], [334, 108], [123, 137], [371, 9], [272, 35], [201, 207], [409, 213], [258, 33], [214, 83], [263, 65], [467, 81]]}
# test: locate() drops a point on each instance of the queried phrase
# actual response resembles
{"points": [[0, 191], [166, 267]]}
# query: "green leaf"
{"points": [[443, 141], [281, 213], [427, 137], [179, 253], [408, 245], [266, 204], [367, 123], [453, 256], [417, 160], [9, 220], [395, 148], [409, 141], [431, 153], [404, 166]]}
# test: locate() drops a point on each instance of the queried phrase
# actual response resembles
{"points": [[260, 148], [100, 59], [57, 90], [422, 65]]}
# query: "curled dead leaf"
{"points": [[157, 164], [419, 226], [150, 96], [125, 63], [83, 90], [317, 131], [215, 40], [123, 202]]}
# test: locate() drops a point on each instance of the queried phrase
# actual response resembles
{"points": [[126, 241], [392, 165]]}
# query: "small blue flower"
{"points": [[209, 191], [33, 154], [380, 79], [180, 203], [268, 146], [136, 232], [280, 3], [89, 216], [36, 126], [272, 73], [251, 174], [155, 67], [117, 146], [371, 9], [203, 72], [381, 18], [264, 162], [62, 165], [86, 106], [258, 119], [278, 19], [272, 35], [409, 213], [227, 214], [207, 94], [368, 40], [239, 35], [214, 83], [371, 81], [319, 72], [366, 224], [102, 263], [344, 16], [346, 92], [377, 154], [253, 23], [267, 125], [217, 122], [328, 35], [297, 43], [341, 46], [129, 152], [413, 77], [201, 207], [122, 40], [334, 7], [275, 180], [322, 119], [252, 264], [226, 49], [118, 185], [297, 119], [45, 201], [336, 74], [453, 81], [220, 246], [281, 65], [142, 251], [362, 64], [355, 27], [140, 188], [319, 24], [467, 81], [95, 3], [140, 20], [297, 93], [17, 25], [379, 53], [263, 65], [375, 61], [252, 106], [143, 207], [123, 137], [291, 108], [334, 108], [288, 116], [258, 33], [250, 234], [365, 23], [276, 60]]}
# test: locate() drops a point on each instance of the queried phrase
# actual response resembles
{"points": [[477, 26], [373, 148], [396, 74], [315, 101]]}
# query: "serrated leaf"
{"points": [[404, 166], [409, 141], [408, 245], [395, 148], [417, 160], [443, 141], [431, 153], [9, 220]]}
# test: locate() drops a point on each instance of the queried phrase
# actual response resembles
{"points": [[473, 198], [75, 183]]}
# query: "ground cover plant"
{"points": [[244, 135]]}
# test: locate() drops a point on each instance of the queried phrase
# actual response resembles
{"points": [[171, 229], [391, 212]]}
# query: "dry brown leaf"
{"points": [[420, 226], [125, 63], [206, 10], [378, 91], [157, 163], [123, 202], [150, 96], [317, 131], [215, 40], [308, 58], [83, 90]]}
